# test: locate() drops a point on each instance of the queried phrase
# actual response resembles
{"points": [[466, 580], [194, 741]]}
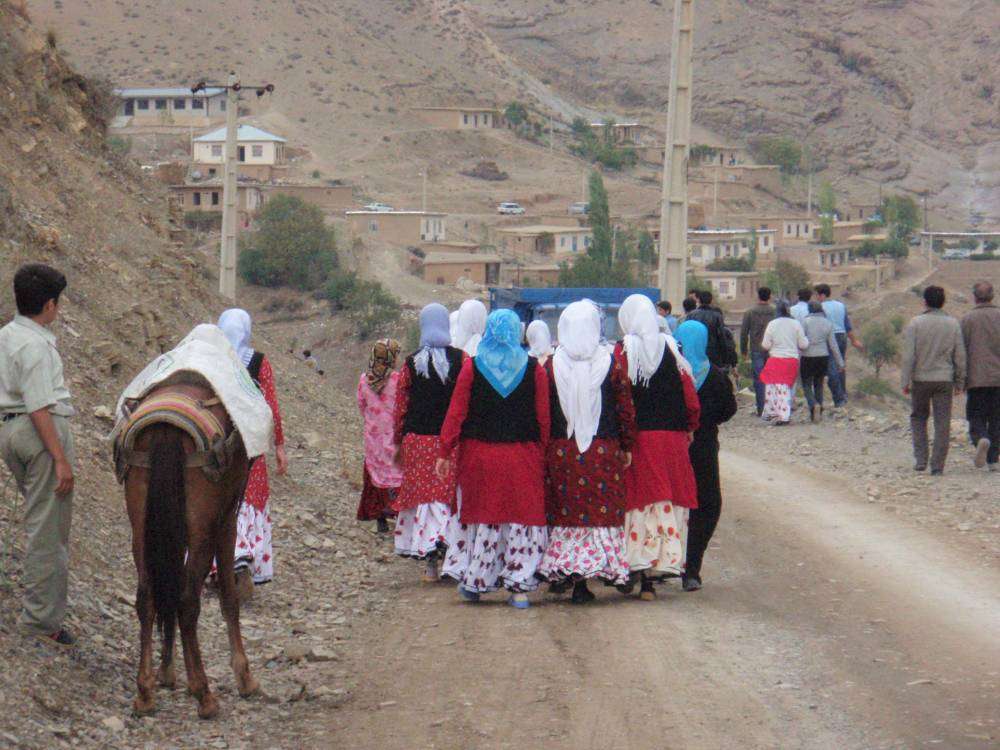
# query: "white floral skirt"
{"points": [[485, 557], [420, 530], [253, 542], [777, 402], [656, 538], [597, 552]]}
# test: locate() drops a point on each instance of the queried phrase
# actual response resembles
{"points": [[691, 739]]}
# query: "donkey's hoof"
{"points": [[208, 708], [250, 687], [167, 678], [142, 707]]}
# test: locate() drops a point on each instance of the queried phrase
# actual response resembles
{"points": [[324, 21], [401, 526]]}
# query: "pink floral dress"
{"points": [[382, 475]]}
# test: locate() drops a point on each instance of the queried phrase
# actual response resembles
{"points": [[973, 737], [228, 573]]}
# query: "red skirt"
{"points": [[376, 502], [420, 482], [661, 471], [780, 371], [502, 483], [587, 489]]}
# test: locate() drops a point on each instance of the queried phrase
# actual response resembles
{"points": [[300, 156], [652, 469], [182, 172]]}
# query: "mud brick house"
{"points": [[544, 239], [151, 106], [447, 268], [708, 245], [735, 290], [789, 229], [459, 118], [398, 227]]}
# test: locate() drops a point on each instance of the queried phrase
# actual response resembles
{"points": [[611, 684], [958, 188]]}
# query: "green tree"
{"points": [[784, 152], [901, 214], [881, 344], [827, 208], [599, 216], [646, 248], [590, 271], [580, 127], [786, 278], [731, 264], [754, 242], [290, 245], [515, 113]]}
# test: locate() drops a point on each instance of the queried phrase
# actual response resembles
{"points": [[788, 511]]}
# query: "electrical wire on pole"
{"points": [[230, 179]]}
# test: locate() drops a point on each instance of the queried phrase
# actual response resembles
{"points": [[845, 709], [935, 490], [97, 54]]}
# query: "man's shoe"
{"points": [[982, 449], [920, 467], [62, 638], [937, 472], [992, 467], [691, 583]]}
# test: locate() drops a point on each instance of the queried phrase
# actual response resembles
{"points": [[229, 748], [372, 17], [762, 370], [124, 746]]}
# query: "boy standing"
{"points": [[37, 446]]}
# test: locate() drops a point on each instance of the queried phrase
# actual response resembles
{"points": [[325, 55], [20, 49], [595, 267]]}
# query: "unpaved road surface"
{"points": [[823, 624]]}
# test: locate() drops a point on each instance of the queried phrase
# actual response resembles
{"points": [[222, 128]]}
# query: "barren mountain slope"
{"points": [[895, 91]]}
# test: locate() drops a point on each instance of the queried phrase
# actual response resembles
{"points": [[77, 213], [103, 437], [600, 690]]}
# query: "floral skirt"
{"points": [[485, 557], [253, 542], [375, 501], [656, 538], [777, 402], [587, 552], [422, 530]]}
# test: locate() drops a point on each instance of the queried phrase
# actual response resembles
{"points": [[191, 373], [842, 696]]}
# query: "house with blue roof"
{"points": [[257, 151]]}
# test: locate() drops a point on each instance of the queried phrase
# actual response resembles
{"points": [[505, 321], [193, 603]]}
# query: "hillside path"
{"points": [[823, 624]]}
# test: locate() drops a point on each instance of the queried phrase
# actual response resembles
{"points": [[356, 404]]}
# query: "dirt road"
{"points": [[823, 624]]}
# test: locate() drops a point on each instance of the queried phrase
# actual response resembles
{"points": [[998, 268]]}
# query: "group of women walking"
{"points": [[508, 463]]}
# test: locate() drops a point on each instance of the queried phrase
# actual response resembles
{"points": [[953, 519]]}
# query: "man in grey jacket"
{"points": [[933, 368], [816, 359], [981, 335]]}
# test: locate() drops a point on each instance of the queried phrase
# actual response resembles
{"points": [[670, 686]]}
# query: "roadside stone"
{"points": [[114, 724]]}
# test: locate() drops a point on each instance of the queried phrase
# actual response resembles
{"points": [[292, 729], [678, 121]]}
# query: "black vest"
{"points": [[256, 360], [494, 419], [429, 397], [608, 426], [659, 404]]}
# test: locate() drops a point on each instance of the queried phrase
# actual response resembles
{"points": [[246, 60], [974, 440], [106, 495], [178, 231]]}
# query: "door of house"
{"points": [[242, 153], [129, 107]]}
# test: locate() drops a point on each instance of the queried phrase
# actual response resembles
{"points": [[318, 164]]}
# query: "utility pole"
{"points": [[930, 240], [715, 195], [227, 252], [672, 271], [550, 135], [583, 188], [423, 200]]}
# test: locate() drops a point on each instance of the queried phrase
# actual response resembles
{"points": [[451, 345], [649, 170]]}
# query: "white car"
{"points": [[379, 207], [510, 208]]}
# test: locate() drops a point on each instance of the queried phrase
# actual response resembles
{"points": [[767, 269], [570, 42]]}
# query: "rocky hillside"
{"points": [[901, 92]]}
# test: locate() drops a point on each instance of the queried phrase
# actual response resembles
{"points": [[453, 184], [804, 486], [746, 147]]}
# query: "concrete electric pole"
{"points": [[423, 199], [672, 271], [230, 173]]}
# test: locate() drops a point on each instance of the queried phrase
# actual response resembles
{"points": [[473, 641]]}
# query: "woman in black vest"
{"points": [[424, 502], [500, 413], [593, 428]]}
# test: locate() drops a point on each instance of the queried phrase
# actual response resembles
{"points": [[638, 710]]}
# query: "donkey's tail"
{"points": [[166, 524]]}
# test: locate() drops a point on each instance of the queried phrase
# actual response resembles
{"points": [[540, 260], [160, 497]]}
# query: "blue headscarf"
{"points": [[500, 358], [434, 337], [693, 338]]}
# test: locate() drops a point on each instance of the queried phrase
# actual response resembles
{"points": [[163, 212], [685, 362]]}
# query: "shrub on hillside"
{"points": [[203, 221], [881, 344], [370, 304], [873, 386], [786, 153], [731, 264], [289, 246]]}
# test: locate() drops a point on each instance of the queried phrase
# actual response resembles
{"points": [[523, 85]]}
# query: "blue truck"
{"points": [[547, 304]]}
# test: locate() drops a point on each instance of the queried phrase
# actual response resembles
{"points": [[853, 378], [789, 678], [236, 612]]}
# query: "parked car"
{"points": [[957, 253], [579, 208], [510, 207], [381, 208]]}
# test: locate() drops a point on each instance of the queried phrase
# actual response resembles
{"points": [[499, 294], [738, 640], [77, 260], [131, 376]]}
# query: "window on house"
{"points": [[215, 198], [767, 241], [216, 149], [373, 226], [197, 103], [465, 119], [562, 242], [695, 252], [161, 103], [440, 279], [212, 171], [723, 287], [196, 198], [142, 103], [257, 151], [180, 104], [222, 105]]}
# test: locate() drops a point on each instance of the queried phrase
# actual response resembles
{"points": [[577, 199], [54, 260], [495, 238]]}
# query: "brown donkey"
{"points": [[183, 515]]}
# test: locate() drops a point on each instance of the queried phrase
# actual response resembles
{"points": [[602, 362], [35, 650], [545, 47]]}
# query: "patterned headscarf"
{"points": [[382, 363], [500, 358], [434, 338]]}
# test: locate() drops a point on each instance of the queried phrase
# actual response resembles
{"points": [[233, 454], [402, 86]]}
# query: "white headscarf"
{"points": [[235, 324], [453, 327], [643, 341], [470, 326], [580, 365], [539, 339]]}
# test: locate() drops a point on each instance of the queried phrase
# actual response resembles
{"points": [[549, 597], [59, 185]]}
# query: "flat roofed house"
{"points": [[398, 227], [253, 146], [789, 229], [739, 288], [545, 239], [170, 106], [459, 118], [448, 268], [844, 230], [621, 132], [704, 154], [708, 245], [206, 197]]}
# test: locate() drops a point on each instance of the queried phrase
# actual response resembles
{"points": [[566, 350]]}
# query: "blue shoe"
{"points": [[519, 601], [469, 596]]}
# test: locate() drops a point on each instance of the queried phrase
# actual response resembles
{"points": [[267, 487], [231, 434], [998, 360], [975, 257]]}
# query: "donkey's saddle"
{"points": [[213, 448]]}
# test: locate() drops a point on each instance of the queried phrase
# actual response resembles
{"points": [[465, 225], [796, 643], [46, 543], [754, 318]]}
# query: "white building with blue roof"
{"points": [[254, 147]]}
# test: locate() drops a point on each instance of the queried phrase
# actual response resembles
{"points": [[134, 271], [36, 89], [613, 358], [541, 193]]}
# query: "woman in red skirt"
{"points": [[593, 428], [660, 482], [377, 402], [425, 388], [500, 413]]}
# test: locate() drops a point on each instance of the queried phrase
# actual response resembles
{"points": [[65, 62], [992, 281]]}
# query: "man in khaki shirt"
{"points": [[37, 446]]}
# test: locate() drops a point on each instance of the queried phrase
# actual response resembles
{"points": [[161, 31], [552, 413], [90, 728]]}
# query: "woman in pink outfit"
{"points": [[377, 402]]}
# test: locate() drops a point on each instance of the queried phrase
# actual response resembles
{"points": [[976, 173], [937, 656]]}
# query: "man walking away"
{"points": [[721, 346], [689, 306], [664, 312], [755, 320], [836, 313], [37, 446], [981, 336], [816, 359], [801, 308], [933, 366]]}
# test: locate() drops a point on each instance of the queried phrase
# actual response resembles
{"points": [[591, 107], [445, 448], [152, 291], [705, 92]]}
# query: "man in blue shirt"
{"points": [[836, 313], [667, 320], [801, 308]]}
